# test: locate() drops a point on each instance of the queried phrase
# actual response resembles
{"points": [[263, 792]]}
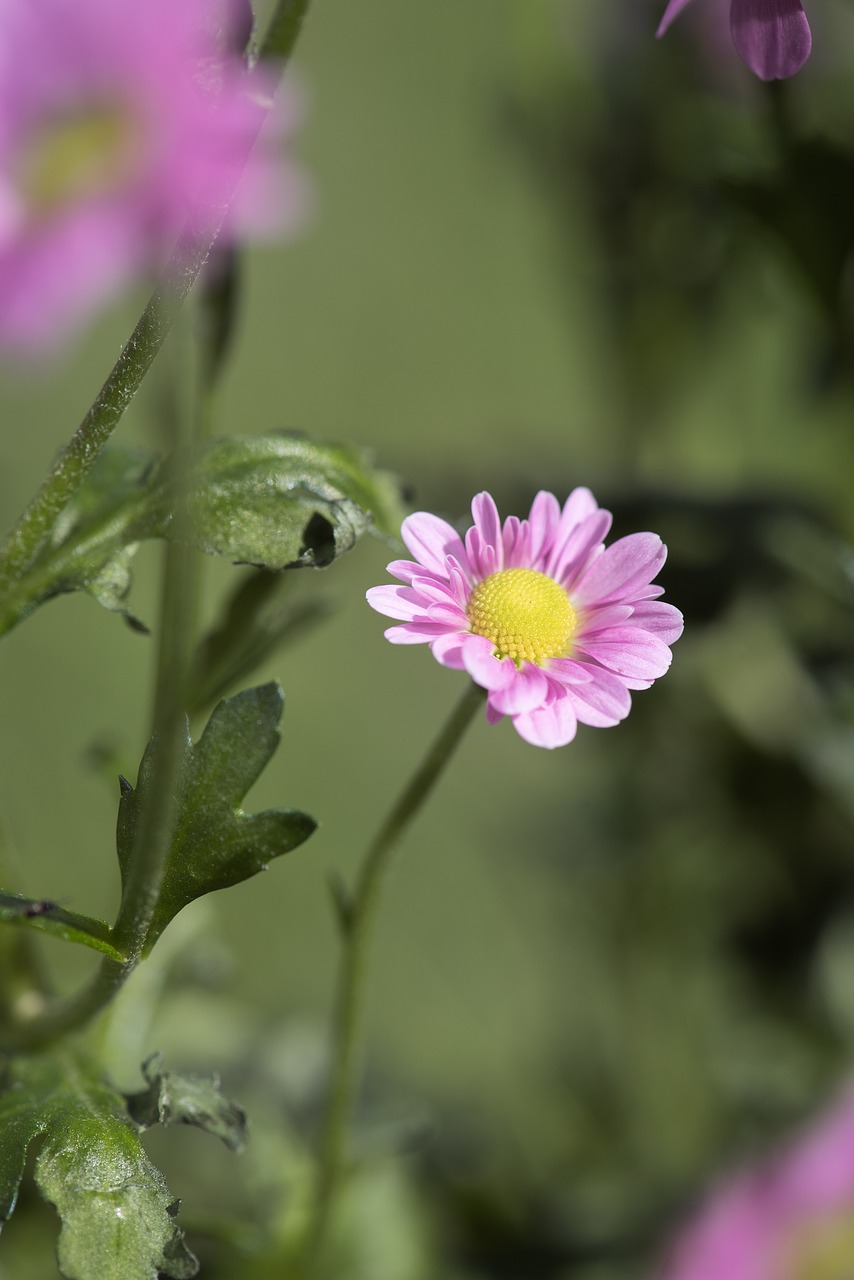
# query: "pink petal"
{"points": [[397, 602], [600, 698], [528, 690], [449, 615], [458, 582], [488, 523], [572, 550], [772, 36], [482, 555], [627, 565], [662, 620], [430, 540], [448, 650], [406, 570], [628, 651], [415, 633], [672, 11], [543, 522], [550, 726], [482, 665]]}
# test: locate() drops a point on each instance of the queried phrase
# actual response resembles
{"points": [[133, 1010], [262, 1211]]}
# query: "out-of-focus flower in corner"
{"points": [[120, 123], [772, 36], [791, 1218], [554, 625]]}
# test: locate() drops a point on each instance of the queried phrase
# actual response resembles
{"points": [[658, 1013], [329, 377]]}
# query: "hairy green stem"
{"points": [[77, 458], [153, 836], [358, 917]]}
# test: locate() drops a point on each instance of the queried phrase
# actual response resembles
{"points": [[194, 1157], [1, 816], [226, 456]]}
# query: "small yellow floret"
{"points": [[90, 152], [821, 1250], [525, 613]]}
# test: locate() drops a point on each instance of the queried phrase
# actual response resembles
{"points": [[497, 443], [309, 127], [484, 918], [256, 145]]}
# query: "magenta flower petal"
{"points": [[549, 726], [628, 652], [660, 619], [415, 633], [772, 36], [113, 138], [574, 552], [599, 698], [430, 539], [525, 692], [788, 1217], [543, 522], [396, 602], [483, 667], [485, 515], [448, 649], [672, 11], [557, 628], [623, 567]]}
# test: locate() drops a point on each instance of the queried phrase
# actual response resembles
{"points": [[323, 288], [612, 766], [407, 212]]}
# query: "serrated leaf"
{"points": [[50, 917], [275, 501], [215, 844], [118, 1218], [196, 1100]]}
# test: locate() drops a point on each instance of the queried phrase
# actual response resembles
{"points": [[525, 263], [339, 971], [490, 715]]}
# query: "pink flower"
{"points": [[772, 36], [557, 628], [121, 121], [789, 1219]]}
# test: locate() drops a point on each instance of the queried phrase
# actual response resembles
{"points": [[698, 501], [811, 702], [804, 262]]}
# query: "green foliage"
{"points": [[118, 1217], [196, 1100], [216, 844], [276, 501], [50, 917]]}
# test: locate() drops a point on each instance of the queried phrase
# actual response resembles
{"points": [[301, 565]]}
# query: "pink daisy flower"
{"points": [[121, 121], [553, 625], [772, 36], [791, 1218]]}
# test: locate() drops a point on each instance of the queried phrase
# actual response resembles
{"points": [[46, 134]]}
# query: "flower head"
{"points": [[120, 123], [789, 1219], [554, 625], [772, 36]]}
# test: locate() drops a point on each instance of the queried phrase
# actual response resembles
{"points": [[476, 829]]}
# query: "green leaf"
{"points": [[175, 1099], [275, 501], [216, 844], [282, 501], [118, 1218], [50, 917]]}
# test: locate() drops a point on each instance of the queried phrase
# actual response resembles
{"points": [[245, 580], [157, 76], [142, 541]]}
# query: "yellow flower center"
{"points": [[90, 152], [821, 1250], [525, 613]]}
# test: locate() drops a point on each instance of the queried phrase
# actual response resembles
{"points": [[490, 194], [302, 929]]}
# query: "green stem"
{"points": [[153, 836], [358, 917], [77, 458]]}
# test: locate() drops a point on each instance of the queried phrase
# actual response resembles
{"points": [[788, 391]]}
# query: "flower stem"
{"points": [[357, 918], [154, 832]]}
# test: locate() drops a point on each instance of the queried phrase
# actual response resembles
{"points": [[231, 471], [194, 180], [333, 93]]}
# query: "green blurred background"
{"points": [[545, 250]]}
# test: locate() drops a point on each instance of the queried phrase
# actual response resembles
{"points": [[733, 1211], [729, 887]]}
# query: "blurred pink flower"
{"points": [[120, 122], [771, 36], [791, 1218], [555, 626]]}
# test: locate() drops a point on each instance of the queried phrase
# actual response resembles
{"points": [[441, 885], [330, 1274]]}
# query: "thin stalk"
{"points": [[153, 836], [358, 916]]}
